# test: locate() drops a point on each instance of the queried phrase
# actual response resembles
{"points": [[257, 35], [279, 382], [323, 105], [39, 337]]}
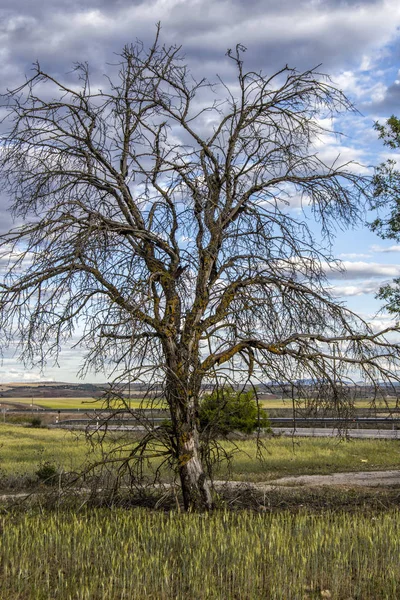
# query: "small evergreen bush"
{"points": [[226, 410]]}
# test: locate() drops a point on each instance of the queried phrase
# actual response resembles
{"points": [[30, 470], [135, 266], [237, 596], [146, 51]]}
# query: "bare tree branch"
{"points": [[162, 228]]}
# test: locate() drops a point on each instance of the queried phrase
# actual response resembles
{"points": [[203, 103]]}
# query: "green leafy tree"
{"points": [[386, 194]]}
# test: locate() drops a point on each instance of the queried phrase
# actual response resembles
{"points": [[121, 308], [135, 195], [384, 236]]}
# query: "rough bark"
{"points": [[196, 491]]}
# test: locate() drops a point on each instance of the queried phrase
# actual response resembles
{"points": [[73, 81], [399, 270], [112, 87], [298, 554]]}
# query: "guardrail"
{"points": [[334, 420], [273, 420]]}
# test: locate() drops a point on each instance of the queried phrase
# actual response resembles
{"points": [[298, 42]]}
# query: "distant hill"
{"points": [[51, 390]]}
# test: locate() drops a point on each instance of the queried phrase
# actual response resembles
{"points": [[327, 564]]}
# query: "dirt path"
{"points": [[353, 479], [357, 479], [361, 478]]}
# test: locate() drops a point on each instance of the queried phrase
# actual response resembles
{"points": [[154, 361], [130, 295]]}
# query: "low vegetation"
{"points": [[297, 543], [23, 449], [111, 555], [87, 404], [284, 456]]}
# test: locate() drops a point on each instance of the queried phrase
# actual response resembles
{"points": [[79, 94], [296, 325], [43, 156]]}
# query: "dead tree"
{"points": [[156, 222]]}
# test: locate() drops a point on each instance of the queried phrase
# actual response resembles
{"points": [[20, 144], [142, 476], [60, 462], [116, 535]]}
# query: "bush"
{"points": [[47, 473], [227, 410]]}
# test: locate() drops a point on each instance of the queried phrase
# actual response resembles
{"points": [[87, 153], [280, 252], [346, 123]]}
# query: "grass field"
{"points": [[87, 404], [284, 456], [84, 404], [118, 554], [23, 448]]}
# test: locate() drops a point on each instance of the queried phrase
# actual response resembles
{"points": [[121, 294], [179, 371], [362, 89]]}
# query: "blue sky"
{"points": [[357, 44]]}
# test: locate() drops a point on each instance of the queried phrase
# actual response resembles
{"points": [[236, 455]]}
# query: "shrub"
{"points": [[47, 473], [226, 410]]}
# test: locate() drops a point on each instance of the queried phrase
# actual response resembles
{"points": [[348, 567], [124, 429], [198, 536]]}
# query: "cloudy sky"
{"points": [[357, 43]]}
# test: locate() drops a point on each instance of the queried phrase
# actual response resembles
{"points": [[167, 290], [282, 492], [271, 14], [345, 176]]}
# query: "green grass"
{"points": [[23, 448], [358, 403], [55, 403], [310, 456], [84, 404], [118, 554]]}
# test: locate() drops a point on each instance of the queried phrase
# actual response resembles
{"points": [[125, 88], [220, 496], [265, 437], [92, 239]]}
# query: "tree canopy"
{"points": [[169, 223]]}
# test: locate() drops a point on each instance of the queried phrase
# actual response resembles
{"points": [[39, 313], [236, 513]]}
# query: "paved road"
{"points": [[387, 434]]}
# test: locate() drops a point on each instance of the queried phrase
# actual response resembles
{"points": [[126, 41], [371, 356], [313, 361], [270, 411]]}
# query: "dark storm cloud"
{"points": [[302, 34]]}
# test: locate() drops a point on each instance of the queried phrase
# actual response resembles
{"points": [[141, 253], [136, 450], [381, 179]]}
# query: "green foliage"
{"points": [[390, 294], [386, 184], [386, 193], [390, 134], [386, 199], [47, 473], [226, 410]]}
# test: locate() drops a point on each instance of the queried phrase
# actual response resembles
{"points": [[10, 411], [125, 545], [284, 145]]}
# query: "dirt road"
{"points": [[370, 479], [357, 479]]}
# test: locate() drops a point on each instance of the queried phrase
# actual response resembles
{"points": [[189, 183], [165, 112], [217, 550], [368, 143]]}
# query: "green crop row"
{"points": [[133, 555], [88, 404], [83, 404]]}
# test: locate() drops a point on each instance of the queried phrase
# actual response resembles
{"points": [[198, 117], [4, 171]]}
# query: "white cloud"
{"points": [[378, 323], [353, 255], [362, 270], [334, 153], [21, 375], [376, 248], [356, 289]]}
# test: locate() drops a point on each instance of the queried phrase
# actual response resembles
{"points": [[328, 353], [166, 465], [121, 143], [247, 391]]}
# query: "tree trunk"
{"points": [[196, 489]]}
